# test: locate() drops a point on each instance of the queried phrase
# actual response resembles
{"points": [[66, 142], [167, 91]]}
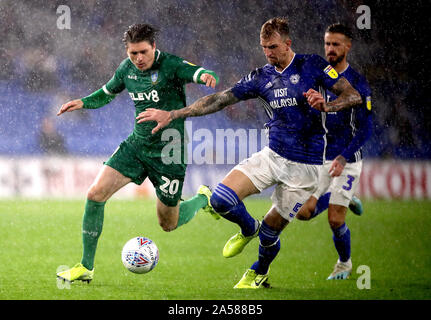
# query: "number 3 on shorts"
{"points": [[349, 182], [169, 186]]}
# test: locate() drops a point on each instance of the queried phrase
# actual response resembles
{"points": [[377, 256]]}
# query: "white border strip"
{"points": [[195, 76], [107, 91]]}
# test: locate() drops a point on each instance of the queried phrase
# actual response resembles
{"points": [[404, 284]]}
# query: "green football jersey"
{"points": [[160, 87]]}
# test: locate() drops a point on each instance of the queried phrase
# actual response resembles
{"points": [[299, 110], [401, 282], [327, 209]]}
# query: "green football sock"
{"points": [[92, 225], [189, 208]]}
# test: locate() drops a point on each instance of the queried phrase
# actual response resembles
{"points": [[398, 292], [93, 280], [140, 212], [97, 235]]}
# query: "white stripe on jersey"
{"points": [[107, 91], [267, 108], [358, 156], [195, 76], [322, 91]]}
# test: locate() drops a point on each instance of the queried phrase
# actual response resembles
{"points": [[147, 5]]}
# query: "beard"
{"points": [[333, 61]]}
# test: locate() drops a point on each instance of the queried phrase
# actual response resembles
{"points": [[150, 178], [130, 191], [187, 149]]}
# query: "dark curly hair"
{"points": [[340, 28], [140, 32]]}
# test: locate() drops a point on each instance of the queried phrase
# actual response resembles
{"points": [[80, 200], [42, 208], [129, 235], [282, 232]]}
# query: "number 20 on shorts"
{"points": [[170, 186]]}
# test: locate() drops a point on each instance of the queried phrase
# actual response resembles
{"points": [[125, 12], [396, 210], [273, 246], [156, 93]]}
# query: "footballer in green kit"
{"points": [[154, 79]]}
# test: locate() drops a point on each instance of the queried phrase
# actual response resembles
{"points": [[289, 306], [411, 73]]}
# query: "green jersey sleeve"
{"points": [[190, 72], [116, 84], [97, 99]]}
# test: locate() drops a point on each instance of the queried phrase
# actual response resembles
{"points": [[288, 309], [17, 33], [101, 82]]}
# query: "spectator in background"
{"points": [[50, 141]]}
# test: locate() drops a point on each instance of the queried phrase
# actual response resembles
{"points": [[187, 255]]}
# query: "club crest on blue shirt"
{"points": [[294, 78], [154, 76]]}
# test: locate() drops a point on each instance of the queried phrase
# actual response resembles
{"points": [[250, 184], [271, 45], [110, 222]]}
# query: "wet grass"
{"points": [[392, 239]]}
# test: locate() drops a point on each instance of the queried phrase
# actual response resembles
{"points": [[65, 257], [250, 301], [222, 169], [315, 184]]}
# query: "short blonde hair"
{"points": [[273, 25]]}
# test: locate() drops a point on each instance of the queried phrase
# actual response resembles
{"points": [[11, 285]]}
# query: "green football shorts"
{"points": [[130, 160]]}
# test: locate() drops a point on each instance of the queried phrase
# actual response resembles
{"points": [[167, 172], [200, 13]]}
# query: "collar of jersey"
{"points": [[280, 72], [348, 65]]}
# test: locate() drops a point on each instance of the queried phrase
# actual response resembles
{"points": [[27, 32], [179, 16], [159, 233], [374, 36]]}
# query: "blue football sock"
{"points": [[269, 247], [341, 237], [321, 205], [226, 202]]}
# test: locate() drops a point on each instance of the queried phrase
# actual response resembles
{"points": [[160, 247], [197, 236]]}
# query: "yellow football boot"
{"points": [[206, 191], [78, 272], [252, 280], [237, 243]]}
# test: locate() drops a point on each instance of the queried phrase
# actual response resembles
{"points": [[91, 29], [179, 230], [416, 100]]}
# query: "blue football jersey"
{"points": [[296, 130], [349, 129]]}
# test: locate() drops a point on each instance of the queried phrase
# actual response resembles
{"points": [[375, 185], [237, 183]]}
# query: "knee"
{"points": [[307, 209], [94, 193], [167, 227], [303, 215], [223, 199], [219, 205], [335, 222], [336, 216]]}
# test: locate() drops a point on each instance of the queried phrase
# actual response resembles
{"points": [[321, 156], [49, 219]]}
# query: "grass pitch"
{"points": [[37, 237]]}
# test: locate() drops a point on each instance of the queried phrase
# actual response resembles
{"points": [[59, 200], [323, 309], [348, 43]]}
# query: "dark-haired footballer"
{"points": [[154, 79], [348, 130]]}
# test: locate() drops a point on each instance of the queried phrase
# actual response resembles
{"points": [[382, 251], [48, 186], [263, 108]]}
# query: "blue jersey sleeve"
{"points": [[364, 122], [326, 74], [363, 133], [247, 87], [364, 90]]}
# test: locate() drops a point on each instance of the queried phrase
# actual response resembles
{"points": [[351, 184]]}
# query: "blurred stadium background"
{"points": [[42, 66]]}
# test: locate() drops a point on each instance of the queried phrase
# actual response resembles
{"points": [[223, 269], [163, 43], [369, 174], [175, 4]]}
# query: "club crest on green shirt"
{"points": [[154, 76]]}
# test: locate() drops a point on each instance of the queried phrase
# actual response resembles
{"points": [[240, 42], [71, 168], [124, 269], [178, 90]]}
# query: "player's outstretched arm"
{"points": [[95, 100], [205, 105], [347, 97], [70, 106]]}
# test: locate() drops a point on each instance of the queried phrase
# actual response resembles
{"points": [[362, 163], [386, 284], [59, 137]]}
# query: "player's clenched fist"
{"points": [[70, 106], [315, 99], [337, 166], [209, 80]]}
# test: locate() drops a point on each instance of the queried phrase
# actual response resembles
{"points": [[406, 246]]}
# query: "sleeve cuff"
{"points": [[197, 74], [107, 91]]}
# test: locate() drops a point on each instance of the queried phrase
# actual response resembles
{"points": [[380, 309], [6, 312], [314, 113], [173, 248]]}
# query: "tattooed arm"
{"points": [[205, 105], [347, 97]]}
